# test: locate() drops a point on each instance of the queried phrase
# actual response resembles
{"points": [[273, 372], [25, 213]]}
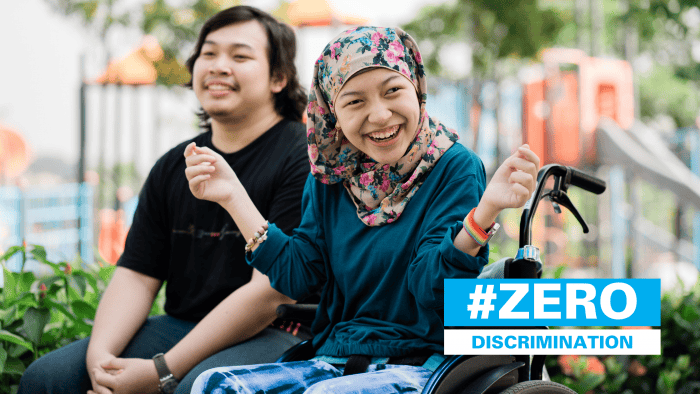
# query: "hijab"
{"points": [[380, 192]]}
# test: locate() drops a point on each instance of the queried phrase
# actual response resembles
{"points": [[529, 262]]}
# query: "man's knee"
{"points": [[62, 370]]}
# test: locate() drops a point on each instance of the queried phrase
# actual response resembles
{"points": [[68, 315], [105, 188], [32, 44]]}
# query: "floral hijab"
{"points": [[380, 191]]}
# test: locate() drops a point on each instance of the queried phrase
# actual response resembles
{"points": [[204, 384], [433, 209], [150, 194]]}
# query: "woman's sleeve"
{"points": [[294, 264], [436, 257]]}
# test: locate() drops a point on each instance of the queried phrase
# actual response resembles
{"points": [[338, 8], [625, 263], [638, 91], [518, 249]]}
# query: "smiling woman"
{"points": [[378, 113], [383, 223]]}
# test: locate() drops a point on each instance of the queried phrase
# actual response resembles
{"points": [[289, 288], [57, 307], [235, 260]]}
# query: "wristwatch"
{"points": [[168, 383]]}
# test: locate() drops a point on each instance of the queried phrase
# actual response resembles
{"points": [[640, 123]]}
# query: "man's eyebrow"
{"points": [[386, 81], [235, 45]]}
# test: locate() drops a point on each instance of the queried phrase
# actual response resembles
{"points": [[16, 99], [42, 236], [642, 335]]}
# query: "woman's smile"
{"points": [[386, 136]]}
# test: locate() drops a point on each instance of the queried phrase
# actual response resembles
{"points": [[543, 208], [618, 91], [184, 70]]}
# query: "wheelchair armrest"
{"points": [[303, 313]]}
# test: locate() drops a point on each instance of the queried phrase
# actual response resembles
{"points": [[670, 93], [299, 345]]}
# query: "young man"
{"points": [[219, 310]]}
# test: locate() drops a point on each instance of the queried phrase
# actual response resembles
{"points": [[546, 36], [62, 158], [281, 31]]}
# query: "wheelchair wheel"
{"points": [[538, 387]]}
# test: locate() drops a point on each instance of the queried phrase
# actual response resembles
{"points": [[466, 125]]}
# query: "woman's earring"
{"points": [[336, 133]]}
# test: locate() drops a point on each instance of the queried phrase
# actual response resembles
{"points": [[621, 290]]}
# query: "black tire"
{"points": [[538, 387]]}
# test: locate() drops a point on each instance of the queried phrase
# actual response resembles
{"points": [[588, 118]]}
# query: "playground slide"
{"points": [[643, 152]]}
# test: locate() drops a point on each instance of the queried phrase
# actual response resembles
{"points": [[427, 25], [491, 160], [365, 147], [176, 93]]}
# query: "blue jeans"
{"points": [[311, 377], [64, 370]]}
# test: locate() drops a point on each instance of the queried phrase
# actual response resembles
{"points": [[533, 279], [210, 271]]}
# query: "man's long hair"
{"points": [[290, 102]]}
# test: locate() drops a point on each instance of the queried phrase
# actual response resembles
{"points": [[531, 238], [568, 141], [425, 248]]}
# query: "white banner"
{"points": [[538, 341]]}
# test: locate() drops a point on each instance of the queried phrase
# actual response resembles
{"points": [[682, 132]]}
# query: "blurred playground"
{"points": [[609, 87]]}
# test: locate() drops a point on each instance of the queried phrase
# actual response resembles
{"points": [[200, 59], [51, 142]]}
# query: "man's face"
{"points": [[231, 76]]}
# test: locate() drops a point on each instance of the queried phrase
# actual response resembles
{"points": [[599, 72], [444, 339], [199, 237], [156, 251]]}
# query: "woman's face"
{"points": [[378, 111]]}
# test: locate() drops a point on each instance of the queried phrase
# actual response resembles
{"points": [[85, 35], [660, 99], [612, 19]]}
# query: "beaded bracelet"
{"points": [[258, 237]]}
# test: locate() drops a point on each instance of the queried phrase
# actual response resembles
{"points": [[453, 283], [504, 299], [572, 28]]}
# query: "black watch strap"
{"points": [[168, 383], [161, 366]]}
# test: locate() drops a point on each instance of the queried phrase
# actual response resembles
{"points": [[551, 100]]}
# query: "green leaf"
{"points": [[92, 299], [618, 381], [14, 366], [88, 278], [667, 381], [3, 358], [26, 280], [39, 253], [34, 322], [83, 310], [59, 307], [8, 315], [683, 362], [589, 382], [690, 312], [52, 334], [16, 339], [82, 285], [49, 281], [16, 351], [27, 300], [10, 287], [73, 295], [54, 289], [10, 252], [79, 330], [559, 271], [106, 272]]}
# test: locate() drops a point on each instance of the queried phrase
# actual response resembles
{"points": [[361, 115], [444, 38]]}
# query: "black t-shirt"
{"points": [[195, 245]]}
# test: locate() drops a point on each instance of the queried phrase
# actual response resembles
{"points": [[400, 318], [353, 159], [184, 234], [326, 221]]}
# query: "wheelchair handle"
{"points": [[303, 313], [586, 182], [564, 177]]}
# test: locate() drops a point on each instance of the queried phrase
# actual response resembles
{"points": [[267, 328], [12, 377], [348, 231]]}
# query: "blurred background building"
{"points": [[90, 94]]}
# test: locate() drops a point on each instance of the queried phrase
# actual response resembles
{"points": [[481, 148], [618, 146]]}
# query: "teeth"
{"points": [[384, 134], [218, 87]]}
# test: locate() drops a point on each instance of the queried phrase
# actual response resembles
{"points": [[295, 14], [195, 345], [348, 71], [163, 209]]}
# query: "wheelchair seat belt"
{"points": [[357, 363]]}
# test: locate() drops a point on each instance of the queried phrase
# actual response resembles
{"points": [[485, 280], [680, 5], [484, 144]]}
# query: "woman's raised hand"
{"points": [[513, 182], [209, 175]]}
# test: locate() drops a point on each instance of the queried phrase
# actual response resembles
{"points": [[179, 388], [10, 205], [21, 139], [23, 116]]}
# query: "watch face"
{"points": [[169, 386]]}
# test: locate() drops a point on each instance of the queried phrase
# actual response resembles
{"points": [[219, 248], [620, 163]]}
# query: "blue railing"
{"points": [[60, 218]]}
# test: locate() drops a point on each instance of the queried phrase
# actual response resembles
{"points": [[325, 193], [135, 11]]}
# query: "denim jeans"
{"points": [[311, 377], [63, 370]]}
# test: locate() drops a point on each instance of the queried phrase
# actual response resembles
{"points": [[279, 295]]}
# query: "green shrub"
{"points": [[38, 315], [676, 370]]}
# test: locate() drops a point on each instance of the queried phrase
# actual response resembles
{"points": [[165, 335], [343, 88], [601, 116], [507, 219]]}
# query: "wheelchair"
{"points": [[487, 374]]}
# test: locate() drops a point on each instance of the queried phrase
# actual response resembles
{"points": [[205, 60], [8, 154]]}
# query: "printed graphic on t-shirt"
{"points": [[199, 233]]}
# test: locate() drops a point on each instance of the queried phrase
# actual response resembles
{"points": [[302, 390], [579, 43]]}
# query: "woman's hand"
{"points": [[510, 187], [209, 175]]}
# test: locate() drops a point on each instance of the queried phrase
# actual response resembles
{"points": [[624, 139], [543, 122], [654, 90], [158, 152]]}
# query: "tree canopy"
{"points": [[661, 38], [175, 26]]}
